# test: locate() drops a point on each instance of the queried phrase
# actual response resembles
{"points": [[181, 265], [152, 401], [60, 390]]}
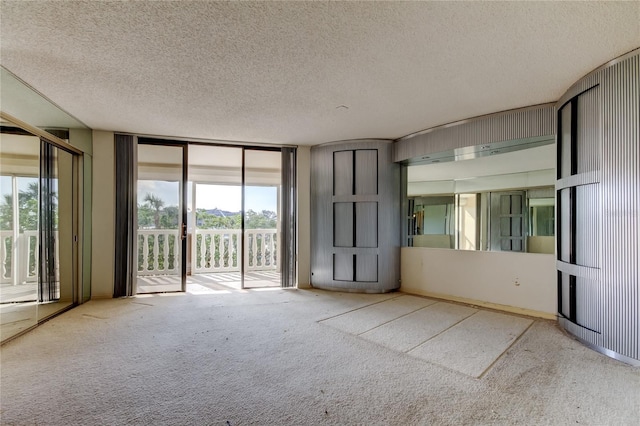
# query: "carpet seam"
{"points": [[396, 318], [446, 329], [506, 350], [362, 307]]}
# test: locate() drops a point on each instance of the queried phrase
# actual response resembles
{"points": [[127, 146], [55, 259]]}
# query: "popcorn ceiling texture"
{"points": [[277, 71]]}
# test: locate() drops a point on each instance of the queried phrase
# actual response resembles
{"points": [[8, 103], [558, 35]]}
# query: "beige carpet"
{"points": [[456, 337], [267, 357]]}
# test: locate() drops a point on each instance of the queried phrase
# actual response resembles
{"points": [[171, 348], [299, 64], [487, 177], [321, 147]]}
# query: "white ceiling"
{"points": [[305, 72]]}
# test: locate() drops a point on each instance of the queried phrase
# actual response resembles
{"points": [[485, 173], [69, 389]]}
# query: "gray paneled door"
{"points": [[508, 221], [355, 221], [355, 230]]}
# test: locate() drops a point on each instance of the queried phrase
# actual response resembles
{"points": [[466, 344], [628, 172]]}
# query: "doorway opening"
{"points": [[230, 235]]}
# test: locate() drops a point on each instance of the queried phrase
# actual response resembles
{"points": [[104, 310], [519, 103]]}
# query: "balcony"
{"points": [[213, 257]]}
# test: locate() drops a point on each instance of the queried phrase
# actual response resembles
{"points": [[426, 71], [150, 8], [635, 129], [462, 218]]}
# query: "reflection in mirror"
{"points": [[433, 222], [37, 228], [500, 202], [39, 185], [57, 225], [21, 101], [19, 189]]}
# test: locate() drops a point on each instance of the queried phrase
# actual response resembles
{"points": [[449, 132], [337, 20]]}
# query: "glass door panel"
{"points": [[160, 219], [215, 221], [38, 224], [58, 219], [19, 189], [263, 174]]}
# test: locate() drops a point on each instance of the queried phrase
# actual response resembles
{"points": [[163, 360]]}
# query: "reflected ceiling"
{"points": [[305, 72], [533, 159], [22, 102]]}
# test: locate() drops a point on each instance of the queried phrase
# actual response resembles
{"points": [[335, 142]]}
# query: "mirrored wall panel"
{"points": [[38, 230], [501, 201]]}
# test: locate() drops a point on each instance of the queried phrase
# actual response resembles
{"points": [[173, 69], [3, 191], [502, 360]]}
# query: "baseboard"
{"points": [[496, 306]]}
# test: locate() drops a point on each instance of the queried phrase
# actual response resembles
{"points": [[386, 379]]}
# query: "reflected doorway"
{"points": [[38, 230]]}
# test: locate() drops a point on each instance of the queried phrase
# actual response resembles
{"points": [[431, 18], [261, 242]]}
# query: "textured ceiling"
{"points": [[305, 72]]}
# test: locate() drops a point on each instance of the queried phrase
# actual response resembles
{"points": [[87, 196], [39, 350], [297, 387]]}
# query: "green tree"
{"points": [[170, 217], [207, 220], [145, 216], [263, 220], [156, 204], [27, 209]]}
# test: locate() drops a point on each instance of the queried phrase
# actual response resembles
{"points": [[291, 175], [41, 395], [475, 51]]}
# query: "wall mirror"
{"points": [[497, 197], [40, 180]]}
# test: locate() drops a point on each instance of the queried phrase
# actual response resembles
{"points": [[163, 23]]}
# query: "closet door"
{"points": [[355, 219]]}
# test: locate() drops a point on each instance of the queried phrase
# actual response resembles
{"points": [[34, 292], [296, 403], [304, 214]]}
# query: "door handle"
{"points": [[183, 234]]}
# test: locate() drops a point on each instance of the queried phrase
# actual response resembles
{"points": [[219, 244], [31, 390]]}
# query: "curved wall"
{"points": [[517, 282], [355, 217], [598, 198], [532, 122]]}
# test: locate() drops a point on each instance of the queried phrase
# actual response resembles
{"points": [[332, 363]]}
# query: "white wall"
{"points": [[103, 239], [516, 282], [304, 216]]}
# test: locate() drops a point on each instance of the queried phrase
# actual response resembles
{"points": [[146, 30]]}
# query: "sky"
{"points": [[223, 197], [6, 185]]}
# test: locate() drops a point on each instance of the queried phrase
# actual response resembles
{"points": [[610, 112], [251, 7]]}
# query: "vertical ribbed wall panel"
{"points": [[621, 199], [509, 125], [588, 304], [588, 131], [587, 225], [607, 210]]}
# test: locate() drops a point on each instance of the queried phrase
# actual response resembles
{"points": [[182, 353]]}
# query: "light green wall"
{"points": [[304, 216], [103, 220]]}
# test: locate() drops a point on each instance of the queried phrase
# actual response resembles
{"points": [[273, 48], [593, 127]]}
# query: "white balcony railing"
{"points": [[158, 251], [211, 250], [19, 257]]}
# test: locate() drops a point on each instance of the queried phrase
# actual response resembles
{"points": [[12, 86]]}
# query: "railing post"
{"points": [[145, 252], [21, 250], [221, 250], [6, 277]]}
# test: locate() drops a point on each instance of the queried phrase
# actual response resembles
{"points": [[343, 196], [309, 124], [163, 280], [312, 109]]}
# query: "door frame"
{"points": [[182, 199], [147, 140]]}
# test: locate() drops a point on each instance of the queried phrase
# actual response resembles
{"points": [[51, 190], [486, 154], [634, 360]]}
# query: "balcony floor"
{"points": [[207, 283], [25, 292]]}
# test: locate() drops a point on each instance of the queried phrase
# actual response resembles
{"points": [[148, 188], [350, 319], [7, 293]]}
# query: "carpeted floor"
{"points": [[306, 357]]}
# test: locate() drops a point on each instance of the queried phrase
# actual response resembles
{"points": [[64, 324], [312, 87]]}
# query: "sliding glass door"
{"points": [[162, 222], [215, 227], [38, 230], [222, 229], [262, 225]]}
